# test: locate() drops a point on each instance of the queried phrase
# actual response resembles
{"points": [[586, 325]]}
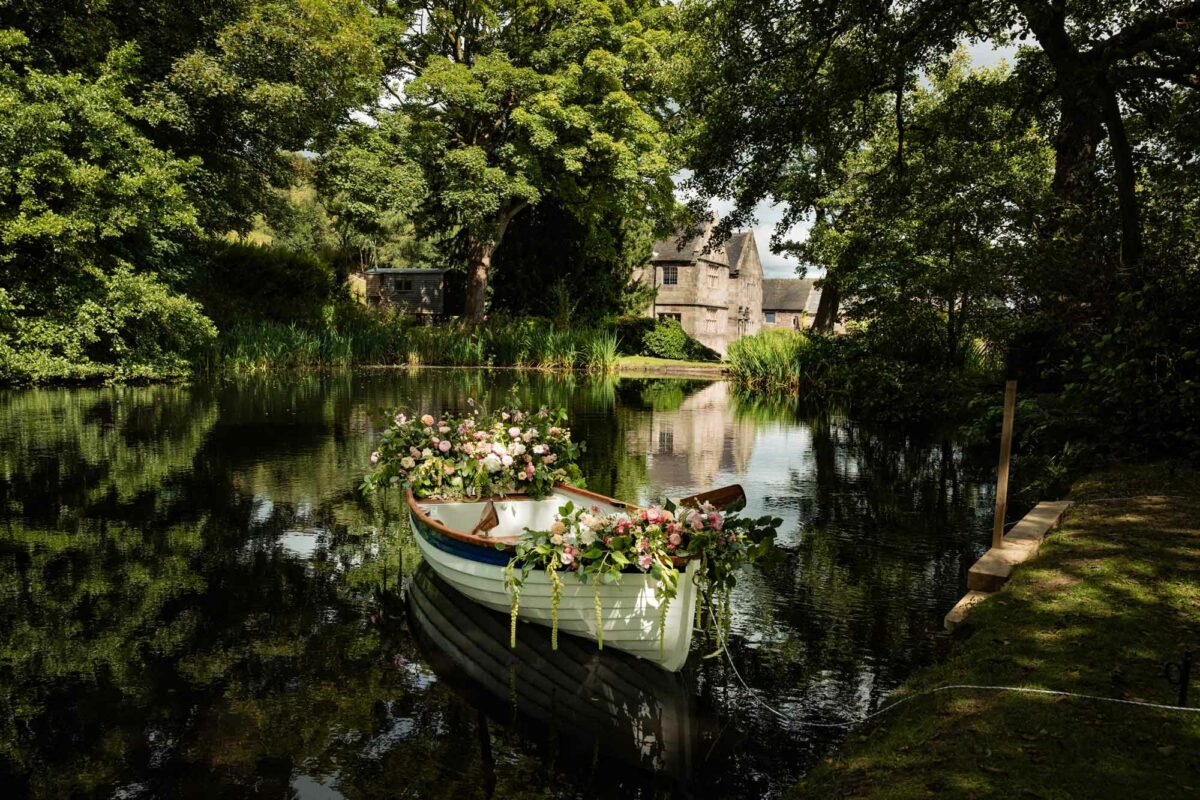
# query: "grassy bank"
{"points": [[1109, 598]]}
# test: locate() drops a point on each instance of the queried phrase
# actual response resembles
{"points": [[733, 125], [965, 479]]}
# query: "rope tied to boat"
{"points": [[925, 693]]}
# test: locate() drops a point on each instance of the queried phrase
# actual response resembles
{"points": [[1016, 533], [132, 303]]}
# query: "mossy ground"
{"points": [[1110, 597]]}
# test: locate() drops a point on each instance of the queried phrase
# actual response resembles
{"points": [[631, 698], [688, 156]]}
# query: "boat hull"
{"points": [[631, 613]]}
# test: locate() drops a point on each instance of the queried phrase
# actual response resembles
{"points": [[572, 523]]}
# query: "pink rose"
{"points": [[468, 448], [645, 561], [568, 555], [529, 470], [444, 446], [716, 521], [514, 432], [375, 457], [675, 539]]}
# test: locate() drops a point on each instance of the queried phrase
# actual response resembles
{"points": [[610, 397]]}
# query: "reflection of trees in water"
{"points": [[889, 524], [73, 451]]}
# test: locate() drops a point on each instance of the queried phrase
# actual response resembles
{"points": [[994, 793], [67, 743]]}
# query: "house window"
{"points": [[399, 284], [676, 317], [666, 440], [710, 322], [769, 316], [670, 276]]}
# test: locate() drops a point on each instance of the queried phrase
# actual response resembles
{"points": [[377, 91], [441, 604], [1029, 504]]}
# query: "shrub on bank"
{"points": [[667, 339], [880, 372]]}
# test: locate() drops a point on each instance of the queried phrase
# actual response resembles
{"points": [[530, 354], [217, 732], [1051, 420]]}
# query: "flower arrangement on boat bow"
{"points": [[600, 547], [480, 454]]}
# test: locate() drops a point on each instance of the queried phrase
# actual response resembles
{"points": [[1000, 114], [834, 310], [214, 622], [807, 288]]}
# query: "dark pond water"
{"points": [[195, 602]]}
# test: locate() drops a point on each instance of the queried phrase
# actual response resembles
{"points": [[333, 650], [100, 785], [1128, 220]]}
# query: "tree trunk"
{"points": [[479, 261], [479, 266], [1131, 223], [827, 309]]}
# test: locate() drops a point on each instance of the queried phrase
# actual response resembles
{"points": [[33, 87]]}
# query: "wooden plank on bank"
{"points": [[994, 569]]}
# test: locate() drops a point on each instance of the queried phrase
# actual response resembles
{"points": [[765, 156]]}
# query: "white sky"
{"points": [[983, 54]]}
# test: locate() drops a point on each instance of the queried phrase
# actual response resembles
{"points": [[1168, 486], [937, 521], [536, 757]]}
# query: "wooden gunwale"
{"points": [[414, 506]]}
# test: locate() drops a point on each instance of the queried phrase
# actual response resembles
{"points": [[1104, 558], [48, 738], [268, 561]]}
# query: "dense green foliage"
{"points": [[90, 213], [130, 135]]}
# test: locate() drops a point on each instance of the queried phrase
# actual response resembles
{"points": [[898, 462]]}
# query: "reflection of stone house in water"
{"points": [[690, 446], [715, 296]]}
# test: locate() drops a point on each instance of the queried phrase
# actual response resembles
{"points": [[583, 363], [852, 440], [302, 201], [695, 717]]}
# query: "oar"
{"points": [[726, 498]]}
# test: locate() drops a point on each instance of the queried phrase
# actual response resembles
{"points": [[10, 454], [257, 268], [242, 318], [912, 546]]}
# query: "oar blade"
{"points": [[726, 498]]}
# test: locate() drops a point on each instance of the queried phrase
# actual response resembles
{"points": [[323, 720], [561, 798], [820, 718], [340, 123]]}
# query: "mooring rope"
{"points": [[949, 687]]}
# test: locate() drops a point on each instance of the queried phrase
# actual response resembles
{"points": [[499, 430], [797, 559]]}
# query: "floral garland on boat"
{"points": [[479, 454], [600, 547]]}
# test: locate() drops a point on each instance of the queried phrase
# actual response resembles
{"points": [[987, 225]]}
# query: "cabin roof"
{"points": [[405, 271]]}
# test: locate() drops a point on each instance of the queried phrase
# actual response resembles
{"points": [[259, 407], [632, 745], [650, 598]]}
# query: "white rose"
{"points": [[426, 453], [587, 536], [517, 449], [408, 462], [491, 462]]}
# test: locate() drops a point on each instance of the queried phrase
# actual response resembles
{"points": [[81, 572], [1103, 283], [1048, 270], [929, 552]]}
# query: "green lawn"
{"points": [[1110, 597], [651, 364]]}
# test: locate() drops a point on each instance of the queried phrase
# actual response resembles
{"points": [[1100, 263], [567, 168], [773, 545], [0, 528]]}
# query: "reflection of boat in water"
{"points": [[452, 541], [607, 707]]}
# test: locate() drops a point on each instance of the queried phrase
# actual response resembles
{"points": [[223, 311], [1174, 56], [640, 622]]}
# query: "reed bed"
{"points": [[377, 340]]}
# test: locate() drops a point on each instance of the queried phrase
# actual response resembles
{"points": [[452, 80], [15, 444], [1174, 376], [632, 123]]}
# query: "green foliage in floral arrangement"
{"points": [[482, 454], [599, 548]]}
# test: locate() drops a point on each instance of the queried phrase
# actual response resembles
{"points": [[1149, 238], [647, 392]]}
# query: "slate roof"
{"points": [[693, 250], [734, 247], [790, 294]]}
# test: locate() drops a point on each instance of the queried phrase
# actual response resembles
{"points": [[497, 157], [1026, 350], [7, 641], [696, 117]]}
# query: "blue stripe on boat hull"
{"points": [[479, 553]]}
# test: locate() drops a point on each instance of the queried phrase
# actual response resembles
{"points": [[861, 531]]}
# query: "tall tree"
{"points": [[513, 101], [808, 75], [934, 229]]}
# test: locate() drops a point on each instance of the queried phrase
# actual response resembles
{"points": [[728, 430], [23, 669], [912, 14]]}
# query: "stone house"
{"points": [[716, 296], [790, 303], [413, 291]]}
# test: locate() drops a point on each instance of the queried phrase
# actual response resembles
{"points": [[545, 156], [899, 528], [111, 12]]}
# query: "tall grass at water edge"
{"points": [[378, 340], [784, 361]]}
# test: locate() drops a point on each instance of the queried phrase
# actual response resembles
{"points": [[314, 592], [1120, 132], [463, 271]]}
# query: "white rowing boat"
{"points": [[469, 547]]}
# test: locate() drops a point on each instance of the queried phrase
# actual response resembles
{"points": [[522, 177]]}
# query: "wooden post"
{"points": [[1010, 403]]}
